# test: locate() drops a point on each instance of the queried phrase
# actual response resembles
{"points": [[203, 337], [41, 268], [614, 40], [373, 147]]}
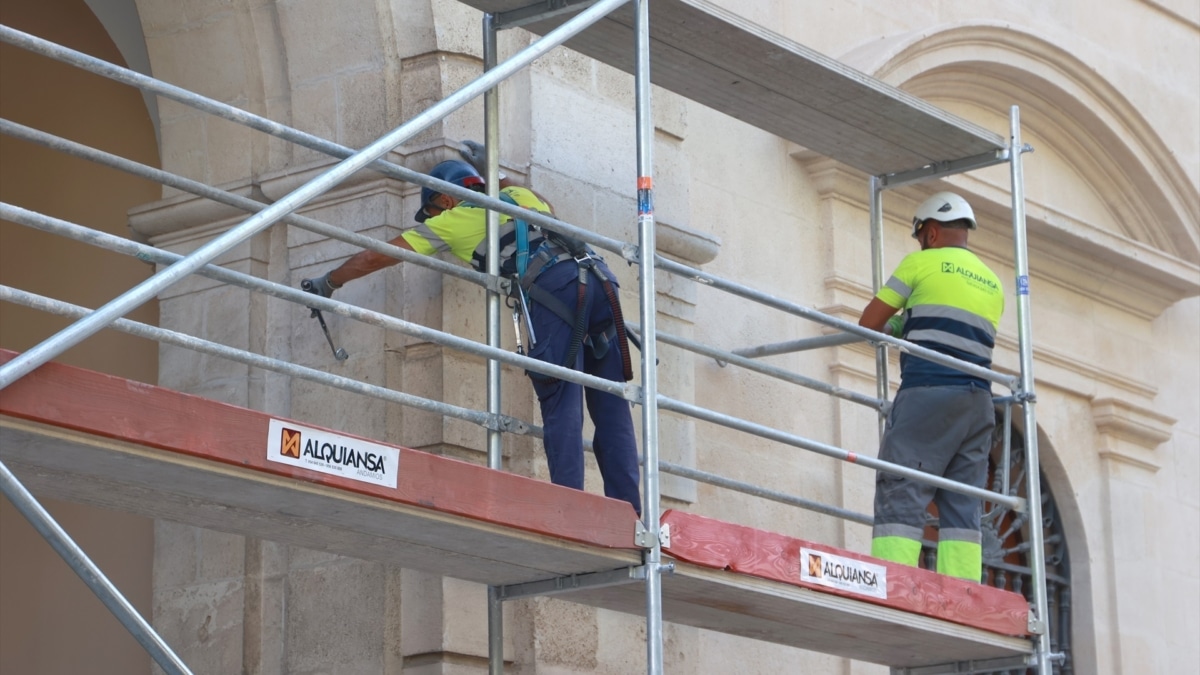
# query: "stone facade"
{"points": [[1108, 98]]}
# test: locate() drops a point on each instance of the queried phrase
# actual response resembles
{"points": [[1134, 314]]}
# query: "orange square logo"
{"points": [[290, 443], [814, 565]]}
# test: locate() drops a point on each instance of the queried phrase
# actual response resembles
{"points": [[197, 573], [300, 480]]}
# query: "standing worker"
{"points": [[573, 313], [942, 419]]}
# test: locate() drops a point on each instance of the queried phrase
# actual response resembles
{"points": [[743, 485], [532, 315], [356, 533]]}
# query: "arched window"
{"points": [[1006, 546]]}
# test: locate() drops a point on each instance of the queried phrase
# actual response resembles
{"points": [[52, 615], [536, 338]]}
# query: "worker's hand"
{"points": [[476, 155], [895, 326], [321, 286]]}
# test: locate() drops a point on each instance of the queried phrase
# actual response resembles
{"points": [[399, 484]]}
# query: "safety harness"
{"points": [[548, 250]]}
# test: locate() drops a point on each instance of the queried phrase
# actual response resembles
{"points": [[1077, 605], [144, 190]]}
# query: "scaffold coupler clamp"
{"points": [[1036, 626], [645, 538]]}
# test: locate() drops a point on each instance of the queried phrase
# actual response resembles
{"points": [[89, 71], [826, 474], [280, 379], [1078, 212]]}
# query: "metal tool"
{"points": [[528, 320], [338, 353], [517, 330]]}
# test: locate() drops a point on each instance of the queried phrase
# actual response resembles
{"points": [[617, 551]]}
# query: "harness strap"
{"points": [[619, 324], [583, 303], [544, 298], [578, 319], [521, 234], [546, 255]]}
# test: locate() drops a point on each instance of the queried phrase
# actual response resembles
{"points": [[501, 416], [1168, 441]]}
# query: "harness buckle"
{"points": [[587, 258]]}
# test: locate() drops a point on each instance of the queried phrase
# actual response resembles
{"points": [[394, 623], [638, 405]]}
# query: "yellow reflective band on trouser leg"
{"points": [[962, 559], [896, 549]]}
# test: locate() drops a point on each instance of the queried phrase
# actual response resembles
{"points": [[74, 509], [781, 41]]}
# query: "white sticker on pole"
{"points": [[333, 454], [844, 574]]}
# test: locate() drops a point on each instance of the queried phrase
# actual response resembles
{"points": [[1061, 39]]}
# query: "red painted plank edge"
{"points": [[134, 412], [720, 545]]}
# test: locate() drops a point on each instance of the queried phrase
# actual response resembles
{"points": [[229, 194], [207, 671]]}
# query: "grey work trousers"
{"points": [[946, 431]]}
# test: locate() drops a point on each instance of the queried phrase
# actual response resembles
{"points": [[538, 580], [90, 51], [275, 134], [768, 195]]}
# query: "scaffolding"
{"points": [[894, 138]]}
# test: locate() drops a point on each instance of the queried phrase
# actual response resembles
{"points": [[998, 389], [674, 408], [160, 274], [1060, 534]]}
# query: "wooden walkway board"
{"points": [[786, 614], [712, 56], [90, 438], [720, 545], [94, 438]]}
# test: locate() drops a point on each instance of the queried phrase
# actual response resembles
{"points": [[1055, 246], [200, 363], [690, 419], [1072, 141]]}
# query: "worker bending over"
{"points": [[573, 313], [942, 419]]}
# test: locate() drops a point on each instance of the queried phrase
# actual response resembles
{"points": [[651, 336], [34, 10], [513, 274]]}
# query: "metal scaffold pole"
{"points": [[646, 238], [495, 439], [491, 137], [91, 575], [881, 355], [1033, 475]]}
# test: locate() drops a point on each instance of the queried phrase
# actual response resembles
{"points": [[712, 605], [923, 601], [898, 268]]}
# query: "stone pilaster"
{"points": [[263, 608], [1128, 436], [676, 300]]}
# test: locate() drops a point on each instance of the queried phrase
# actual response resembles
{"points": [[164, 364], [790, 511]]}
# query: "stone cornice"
{"points": [[689, 246], [844, 290], [1128, 275], [1050, 357], [1119, 271], [187, 212], [1130, 434], [1128, 422]]}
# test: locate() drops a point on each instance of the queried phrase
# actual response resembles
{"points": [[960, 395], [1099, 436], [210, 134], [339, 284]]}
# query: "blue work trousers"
{"points": [[614, 443]]}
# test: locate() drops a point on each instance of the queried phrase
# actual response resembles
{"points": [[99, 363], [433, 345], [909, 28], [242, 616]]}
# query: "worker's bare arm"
{"points": [[365, 262], [876, 315]]}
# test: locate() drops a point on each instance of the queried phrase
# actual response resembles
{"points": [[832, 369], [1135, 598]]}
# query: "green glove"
{"points": [[895, 326]]}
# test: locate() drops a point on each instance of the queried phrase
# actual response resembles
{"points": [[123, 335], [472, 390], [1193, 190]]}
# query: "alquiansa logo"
{"points": [[293, 444], [951, 268]]}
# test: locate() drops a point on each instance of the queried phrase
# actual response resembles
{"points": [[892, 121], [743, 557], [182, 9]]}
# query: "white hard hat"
{"points": [[943, 207]]}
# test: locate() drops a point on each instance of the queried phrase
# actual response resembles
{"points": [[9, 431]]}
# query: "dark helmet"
{"points": [[452, 171]]}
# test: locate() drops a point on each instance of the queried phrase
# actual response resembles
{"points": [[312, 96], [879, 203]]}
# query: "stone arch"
{"points": [[1068, 566], [1113, 179], [1006, 537], [1143, 192], [44, 600]]}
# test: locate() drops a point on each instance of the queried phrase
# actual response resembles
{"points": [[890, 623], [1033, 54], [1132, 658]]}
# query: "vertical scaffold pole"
{"points": [[646, 238], [491, 137], [495, 617], [1033, 473], [495, 457], [881, 357]]}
